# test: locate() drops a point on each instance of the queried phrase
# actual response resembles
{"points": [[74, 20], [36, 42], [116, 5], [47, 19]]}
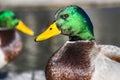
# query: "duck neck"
{"points": [[6, 37], [84, 35], [77, 53]]}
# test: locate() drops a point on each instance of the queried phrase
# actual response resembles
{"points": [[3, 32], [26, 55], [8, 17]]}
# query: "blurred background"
{"points": [[38, 14]]}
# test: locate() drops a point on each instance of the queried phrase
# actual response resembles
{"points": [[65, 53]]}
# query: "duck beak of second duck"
{"points": [[51, 31], [23, 28]]}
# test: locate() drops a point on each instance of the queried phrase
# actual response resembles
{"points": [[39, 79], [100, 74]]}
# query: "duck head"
{"points": [[8, 20], [71, 21]]}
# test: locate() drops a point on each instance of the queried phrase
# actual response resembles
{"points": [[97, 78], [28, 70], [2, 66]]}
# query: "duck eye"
{"points": [[14, 17], [64, 16], [50, 28]]}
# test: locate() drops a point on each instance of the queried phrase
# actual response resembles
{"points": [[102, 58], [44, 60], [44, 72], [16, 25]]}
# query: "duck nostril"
{"points": [[50, 28]]}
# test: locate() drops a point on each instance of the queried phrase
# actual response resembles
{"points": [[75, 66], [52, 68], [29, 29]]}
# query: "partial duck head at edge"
{"points": [[8, 20], [10, 41], [71, 21]]}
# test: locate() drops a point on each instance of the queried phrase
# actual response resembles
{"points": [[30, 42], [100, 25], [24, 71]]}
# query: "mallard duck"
{"points": [[80, 58], [10, 41]]}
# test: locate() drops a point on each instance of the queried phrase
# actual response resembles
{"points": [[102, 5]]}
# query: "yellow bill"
{"points": [[51, 31], [23, 28]]}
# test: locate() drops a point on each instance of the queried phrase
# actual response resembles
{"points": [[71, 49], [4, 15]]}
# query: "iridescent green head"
{"points": [[8, 20], [71, 21]]}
